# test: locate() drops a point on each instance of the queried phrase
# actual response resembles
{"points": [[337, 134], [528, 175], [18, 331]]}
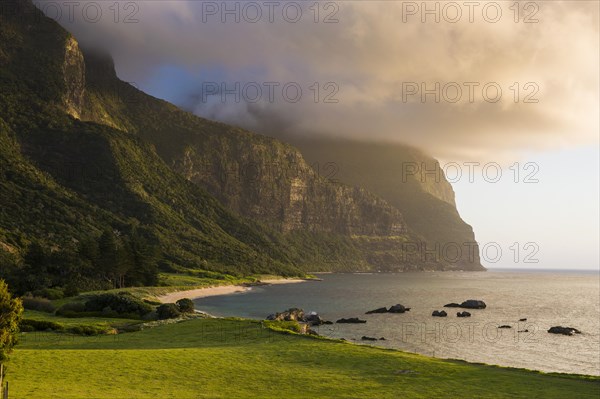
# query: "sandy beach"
{"points": [[218, 290]]}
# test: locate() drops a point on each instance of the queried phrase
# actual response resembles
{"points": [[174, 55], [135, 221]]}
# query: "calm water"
{"points": [[545, 298]]}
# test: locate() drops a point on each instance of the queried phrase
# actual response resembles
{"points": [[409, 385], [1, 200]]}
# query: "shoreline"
{"points": [[221, 290]]}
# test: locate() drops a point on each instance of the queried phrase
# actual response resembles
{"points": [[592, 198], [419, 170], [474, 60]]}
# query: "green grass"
{"points": [[77, 321], [217, 358]]}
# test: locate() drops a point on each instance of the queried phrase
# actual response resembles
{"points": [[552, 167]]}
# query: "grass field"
{"points": [[224, 358]]}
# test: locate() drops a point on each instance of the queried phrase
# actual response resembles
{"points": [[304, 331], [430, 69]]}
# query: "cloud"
{"points": [[369, 62]]}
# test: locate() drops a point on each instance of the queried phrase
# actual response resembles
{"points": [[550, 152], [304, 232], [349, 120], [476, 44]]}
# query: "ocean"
{"points": [[544, 298]]}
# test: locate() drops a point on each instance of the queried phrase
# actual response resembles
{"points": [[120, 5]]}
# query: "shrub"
{"points": [[185, 305], [71, 309], [50, 293], [41, 325], [39, 304], [168, 311], [121, 303], [26, 328], [88, 330], [71, 290]]}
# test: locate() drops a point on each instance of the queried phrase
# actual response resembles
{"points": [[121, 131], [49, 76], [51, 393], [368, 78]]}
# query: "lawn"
{"points": [[218, 358]]}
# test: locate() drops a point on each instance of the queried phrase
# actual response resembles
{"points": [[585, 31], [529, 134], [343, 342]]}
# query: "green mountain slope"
{"points": [[64, 179]]}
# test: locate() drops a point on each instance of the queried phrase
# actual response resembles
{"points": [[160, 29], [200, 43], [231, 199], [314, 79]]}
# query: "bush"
{"points": [[41, 325], [50, 293], [71, 309], [168, 311], [39, 304], [117, 304], [71, 290], [185, 305], [88, 330], [26, 328]]}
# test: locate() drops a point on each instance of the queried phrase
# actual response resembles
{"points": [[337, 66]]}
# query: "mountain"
{"points": [[82, 151], [406, 178], [64, 179]]}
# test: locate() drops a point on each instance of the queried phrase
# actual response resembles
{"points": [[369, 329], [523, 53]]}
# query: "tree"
{"points": [[185, 305], [11, 312]]}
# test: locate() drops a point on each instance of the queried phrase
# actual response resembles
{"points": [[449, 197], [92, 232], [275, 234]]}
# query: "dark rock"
{"points": [[293, 314], [522, 319], [328, 322], [437, 313], [398, 309], [473, 304], [463, 314], [382, 339], [523, 330], [563, 330], [365, 338], [504, 326], [354, 320], [314, 319], [452, 305], [378, 310]]}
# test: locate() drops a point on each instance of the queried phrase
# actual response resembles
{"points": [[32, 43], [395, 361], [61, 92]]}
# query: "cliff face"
{"points": [[410, 181], [73, 71], [269, 181]]}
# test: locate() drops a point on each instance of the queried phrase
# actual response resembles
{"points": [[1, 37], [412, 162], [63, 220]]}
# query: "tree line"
{"points": [[110, 260]]}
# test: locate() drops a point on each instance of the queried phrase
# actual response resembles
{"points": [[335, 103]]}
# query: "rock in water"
{"points": [[437, 313], [398, 309], [314, 319], [293, 314], [463, 314], [522, 319], [473, 304], [504, 326], [365, 338], [351, 320], [378, 310], [563, 330], [452, 305]]}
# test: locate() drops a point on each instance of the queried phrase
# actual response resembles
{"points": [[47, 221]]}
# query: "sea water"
{"points": [[544, 298]]}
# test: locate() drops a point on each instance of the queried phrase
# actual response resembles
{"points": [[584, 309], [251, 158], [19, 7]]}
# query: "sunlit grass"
{"points": [[216, 358]]}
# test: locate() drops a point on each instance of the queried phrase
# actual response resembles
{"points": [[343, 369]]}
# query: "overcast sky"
{"points": [[485, 82]]}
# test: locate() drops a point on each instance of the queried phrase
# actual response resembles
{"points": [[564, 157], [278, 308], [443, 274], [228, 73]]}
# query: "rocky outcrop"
{"points": [[437, 313], [473, 304], [398, 308], [296, 314], [563, 330], [351, 320], [378, 310], [463, 314], [74, 78], [468, 304]]}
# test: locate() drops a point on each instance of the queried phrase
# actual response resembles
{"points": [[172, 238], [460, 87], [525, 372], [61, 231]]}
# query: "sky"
{"points": [[495, 83]]}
